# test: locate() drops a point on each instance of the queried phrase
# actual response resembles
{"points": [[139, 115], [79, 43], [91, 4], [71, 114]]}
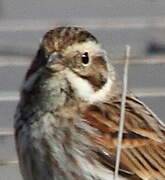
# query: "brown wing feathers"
{"points": [[143, 145]]}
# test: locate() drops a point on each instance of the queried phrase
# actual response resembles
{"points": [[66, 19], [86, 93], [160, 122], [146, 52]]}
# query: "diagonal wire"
{"points": [[122, 113]]}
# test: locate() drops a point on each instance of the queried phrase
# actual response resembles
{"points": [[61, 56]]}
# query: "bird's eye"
{"points": [[85, 58]]}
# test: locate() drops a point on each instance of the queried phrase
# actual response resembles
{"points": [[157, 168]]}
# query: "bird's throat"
{"points": [[85, 90]]}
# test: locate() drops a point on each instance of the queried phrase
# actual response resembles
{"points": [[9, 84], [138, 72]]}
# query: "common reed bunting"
{"points": [[66, 122]]}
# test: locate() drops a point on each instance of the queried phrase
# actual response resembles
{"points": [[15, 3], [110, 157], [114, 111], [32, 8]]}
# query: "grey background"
{"points": [[115, 23]]}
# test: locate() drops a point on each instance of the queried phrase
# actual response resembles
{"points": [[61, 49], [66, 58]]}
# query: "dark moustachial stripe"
{"points": [[97, 84]]}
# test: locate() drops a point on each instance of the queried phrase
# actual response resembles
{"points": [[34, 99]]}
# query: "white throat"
{"points": [[84, 89]]}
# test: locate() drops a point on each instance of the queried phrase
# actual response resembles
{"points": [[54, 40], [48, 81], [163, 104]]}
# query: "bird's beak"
{"points": [[54, 62], [52, 59]]}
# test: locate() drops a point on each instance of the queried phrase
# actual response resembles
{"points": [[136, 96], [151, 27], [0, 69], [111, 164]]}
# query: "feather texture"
{"points": [[143, 143], [67, 119]]}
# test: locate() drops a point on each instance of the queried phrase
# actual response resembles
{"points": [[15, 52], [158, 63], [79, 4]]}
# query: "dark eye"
{"points": [[85, 58]]}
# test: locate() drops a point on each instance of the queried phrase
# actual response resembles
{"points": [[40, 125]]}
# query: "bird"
{"points": [[67, 119]]}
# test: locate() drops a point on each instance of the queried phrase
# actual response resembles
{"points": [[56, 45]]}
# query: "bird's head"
{"points": [[78, 54]]}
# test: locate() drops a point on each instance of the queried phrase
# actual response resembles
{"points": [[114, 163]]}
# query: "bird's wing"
{"points": [[143, 145]]}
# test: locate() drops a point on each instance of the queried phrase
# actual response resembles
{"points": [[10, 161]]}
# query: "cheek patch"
{"points": [[84, 89]]}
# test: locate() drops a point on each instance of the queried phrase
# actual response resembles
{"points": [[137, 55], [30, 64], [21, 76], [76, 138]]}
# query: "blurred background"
{"points": [[141, 24]]}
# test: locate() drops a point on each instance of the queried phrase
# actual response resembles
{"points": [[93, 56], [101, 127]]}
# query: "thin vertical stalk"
{"points": [[122, 113]]}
